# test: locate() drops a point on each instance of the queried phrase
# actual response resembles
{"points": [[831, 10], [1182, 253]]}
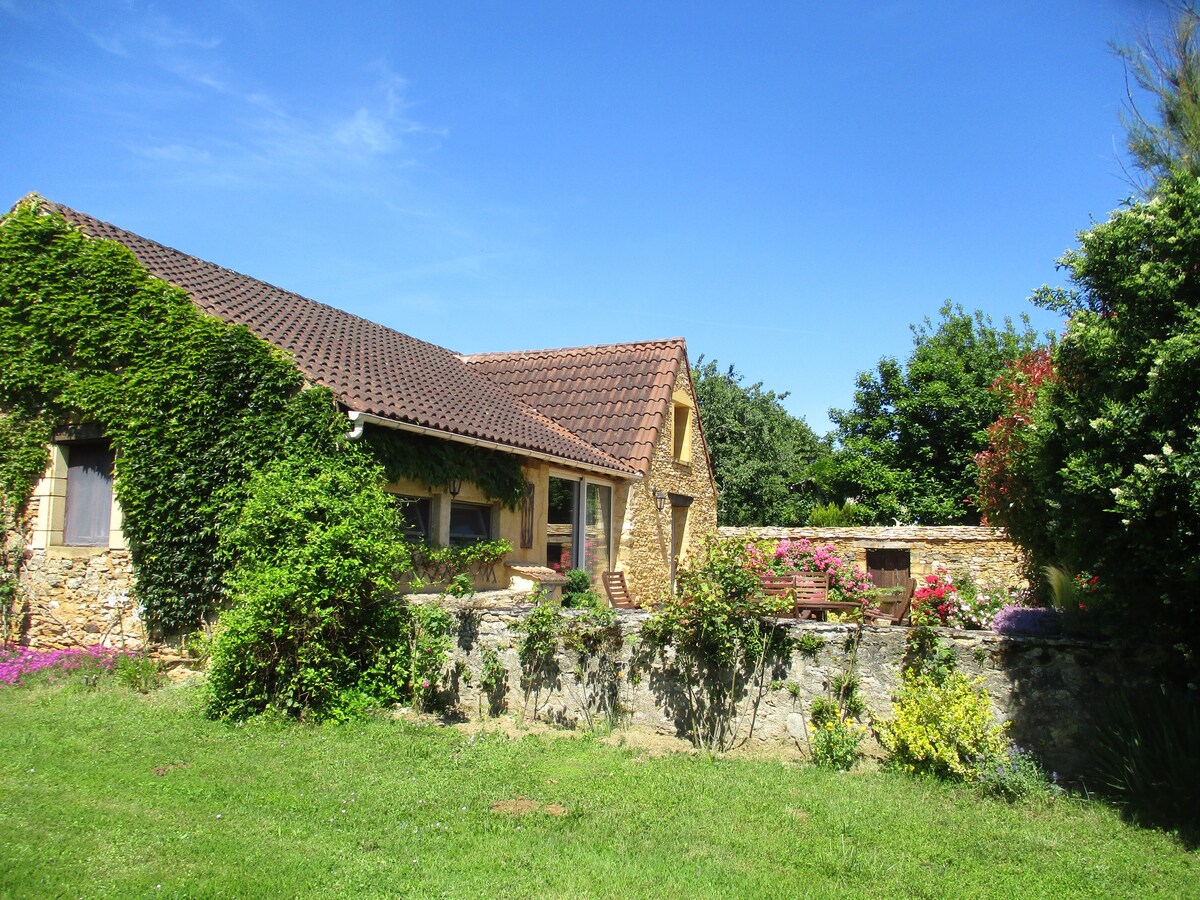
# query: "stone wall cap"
{"points": [[540, 574], [873, 533]]}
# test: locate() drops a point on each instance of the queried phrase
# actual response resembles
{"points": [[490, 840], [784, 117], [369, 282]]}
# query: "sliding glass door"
{"points": [[597, 545], [579, 534]]}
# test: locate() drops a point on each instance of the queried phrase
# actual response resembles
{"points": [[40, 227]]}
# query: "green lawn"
{"points": [[107, 793]]}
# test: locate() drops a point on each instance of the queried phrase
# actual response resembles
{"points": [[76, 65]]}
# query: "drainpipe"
{"points": [[357, 424]]}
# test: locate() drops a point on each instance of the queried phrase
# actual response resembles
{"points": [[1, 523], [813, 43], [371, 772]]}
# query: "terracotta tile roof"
{"points": [[369, 367], [615, 396]]}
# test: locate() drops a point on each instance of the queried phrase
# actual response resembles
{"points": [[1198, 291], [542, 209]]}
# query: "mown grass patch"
{"points": [[107, 793]]}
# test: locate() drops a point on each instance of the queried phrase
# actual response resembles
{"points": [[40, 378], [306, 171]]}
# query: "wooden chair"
{"points": [[618, 591], [900, 612], [802, 589], [778, 585]]}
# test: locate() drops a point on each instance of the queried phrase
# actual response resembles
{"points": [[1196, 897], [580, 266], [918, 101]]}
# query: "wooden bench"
{"points": [[618, 591]]}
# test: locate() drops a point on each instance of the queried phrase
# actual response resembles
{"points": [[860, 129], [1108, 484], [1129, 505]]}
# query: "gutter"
{"points": [[359, 420]]}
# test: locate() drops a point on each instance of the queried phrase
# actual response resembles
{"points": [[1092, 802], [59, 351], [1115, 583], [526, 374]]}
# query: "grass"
{"points": [[107, 793]]}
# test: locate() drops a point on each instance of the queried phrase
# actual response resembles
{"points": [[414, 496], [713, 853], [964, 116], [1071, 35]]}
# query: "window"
{"points": [[469, 523], [416, 512], [579, 526], [561, 520], [87, 520], [682, 433]]}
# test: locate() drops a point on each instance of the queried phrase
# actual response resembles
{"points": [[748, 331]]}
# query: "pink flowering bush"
{"points": [[16, 664], [960, 603], [847, 582]]}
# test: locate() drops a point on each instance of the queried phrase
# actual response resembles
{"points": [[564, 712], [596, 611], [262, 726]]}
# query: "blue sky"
{"points": [[787, 185]]}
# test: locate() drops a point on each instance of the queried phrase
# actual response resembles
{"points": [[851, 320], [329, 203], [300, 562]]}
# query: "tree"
{"points": [[760, 453], [1107, 465], [1170, 72], [905, 448]]}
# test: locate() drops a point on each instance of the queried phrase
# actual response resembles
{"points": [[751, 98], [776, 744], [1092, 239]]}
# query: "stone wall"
{"points": [[986, 553], [1044, 687], [77, 596]]}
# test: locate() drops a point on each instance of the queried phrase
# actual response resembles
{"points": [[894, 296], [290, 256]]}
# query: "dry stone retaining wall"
{"points": [[1044, 687]]}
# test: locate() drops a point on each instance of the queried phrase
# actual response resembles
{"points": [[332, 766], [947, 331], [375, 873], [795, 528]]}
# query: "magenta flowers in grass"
{"points": [[16, 664]]}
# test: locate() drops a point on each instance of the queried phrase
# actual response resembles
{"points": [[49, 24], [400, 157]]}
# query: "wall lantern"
{"points": [[660, 499], [455, 486]]}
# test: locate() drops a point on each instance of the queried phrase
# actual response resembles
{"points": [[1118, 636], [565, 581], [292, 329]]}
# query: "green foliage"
{"points": [[836, 741], [317, 561], [138, 673], [1108, 464], [830, 515], [1144, 749], [760, 453], [592, 635], [494, 675], [590, 629], [456, 566], [1170, 73], [539, 630], [437, 463], [926, 654], [836, 735], [718, 607], [192, 406], [717, 623], [942, 726], [906, 447], [577, 593], [1016, 775], [810, 644]]}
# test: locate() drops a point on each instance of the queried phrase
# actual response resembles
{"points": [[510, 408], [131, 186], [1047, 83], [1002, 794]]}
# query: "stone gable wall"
{"points": [[645, 546]]}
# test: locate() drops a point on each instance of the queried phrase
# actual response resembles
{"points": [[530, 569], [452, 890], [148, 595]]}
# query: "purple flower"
{"points": [[15, 664], [1026, 620]]}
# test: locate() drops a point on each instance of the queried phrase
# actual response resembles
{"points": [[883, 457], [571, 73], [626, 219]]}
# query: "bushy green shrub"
{"points": [[316, 564], [835, 741], [833, 516], [577, 593], [942, 725], [1015, 775], [138, 672], [1145, 748]]}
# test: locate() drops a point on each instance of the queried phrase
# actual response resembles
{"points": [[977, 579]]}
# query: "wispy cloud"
{"points": [[214, 125]]}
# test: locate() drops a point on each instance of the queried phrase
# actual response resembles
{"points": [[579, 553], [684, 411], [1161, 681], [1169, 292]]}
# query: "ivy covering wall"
{"points": [[193, 408]]}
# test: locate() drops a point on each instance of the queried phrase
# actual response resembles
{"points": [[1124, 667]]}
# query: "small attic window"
{"points": [[682, 432]]}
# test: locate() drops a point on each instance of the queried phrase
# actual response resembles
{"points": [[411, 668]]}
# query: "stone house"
{"points": [[608, 437]]}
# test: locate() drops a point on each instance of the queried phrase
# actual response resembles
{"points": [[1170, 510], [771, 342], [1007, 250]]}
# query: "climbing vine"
{"points": [[192, 406], [436, 464]]}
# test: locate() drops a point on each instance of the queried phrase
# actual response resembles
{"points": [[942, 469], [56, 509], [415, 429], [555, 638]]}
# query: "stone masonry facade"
{"points": [[645, 546], [986, 553]]}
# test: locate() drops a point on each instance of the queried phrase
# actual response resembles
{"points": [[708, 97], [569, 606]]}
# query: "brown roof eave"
{"points": [[357, 416]]}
